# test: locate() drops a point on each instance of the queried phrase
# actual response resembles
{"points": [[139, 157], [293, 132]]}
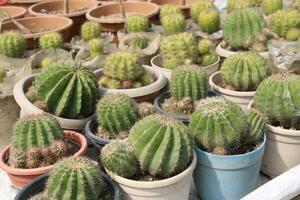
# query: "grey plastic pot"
{"points": [[89, 130]]}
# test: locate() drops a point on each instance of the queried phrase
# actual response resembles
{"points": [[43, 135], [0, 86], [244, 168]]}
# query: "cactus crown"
{"points": [[198, 6], [168, 9], [123, 66], [36, 131], [161, 145], [116, 113], [90, 30], [137, 23], [75, 178], [241, 26], [245, 71], [96, 47], [173, 23], [188, 81], [67, 89], [51, 40], [209, 20], [277, 98], [12, 44]]}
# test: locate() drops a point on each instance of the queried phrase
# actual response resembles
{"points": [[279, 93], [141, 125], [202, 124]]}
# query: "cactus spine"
{"points": [[137, 23], [209, 20], [96, 47], [271, 6], [12, 44], [90, 30], [245, 71], [161, 145], [51, 40], [197, 7], [168, 9], [67, 89], [173, 23]]}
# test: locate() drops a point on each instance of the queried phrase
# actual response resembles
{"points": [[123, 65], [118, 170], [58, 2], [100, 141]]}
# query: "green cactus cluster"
{"points": [[284, 20], [206, 54], [173, 23], [12, 44], [241, 27], [277, 98], [168, 9], [204, 46], [209, 20], [137, 23], [198, 6], [245, 71], [271, 6], [293, 34], [51, 40], [208, 59], [116, 113], [67, 89], [139, 42], [90, 30], [96, 47], [178, 49]]}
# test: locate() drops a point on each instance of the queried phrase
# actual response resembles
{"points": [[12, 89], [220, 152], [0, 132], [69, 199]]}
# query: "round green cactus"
{"points": [[188, 81], [75, 178], [68, 90], [245, 71], [217, 123], [118, 157], [12, 44], [178, 49], [123, 66], [283, 20], [96, 47], [36, 131], [51, 40], [238, 4], [116, 113], [198, 6], [293, 34], [241, 26], [90, 30], [271, 6], [209, 20], [204, 46], [208, 59], [139, 42], [278, 98], [161, 145], [256, 128], [173, 23], [168, 9], [137, 23]]}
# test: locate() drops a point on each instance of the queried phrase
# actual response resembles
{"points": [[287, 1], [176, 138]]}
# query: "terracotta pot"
{"points": [[27, 108], [77, 17], [101, 13], [146, 93], [21, 177], [240, 98], [48, 23], [24, 3], [13, 11], [282, 149], [184, 5]]}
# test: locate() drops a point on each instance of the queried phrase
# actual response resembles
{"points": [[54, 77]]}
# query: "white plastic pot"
{"points": [[226, 53], [156, 63], [146, 93], [242, 99], [27, 108], [282, 150], [176, 187]]}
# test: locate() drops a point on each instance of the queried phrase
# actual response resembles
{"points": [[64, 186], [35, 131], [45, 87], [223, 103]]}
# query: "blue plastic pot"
{"points": [[227, 177]]}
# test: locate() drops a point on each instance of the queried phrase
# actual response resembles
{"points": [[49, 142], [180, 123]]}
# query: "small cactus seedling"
{"points": [[208, 59], [118, 157], [96, 47], [17, 159], [51, 40], [173, 23], [277, 98], [209, 20], [245, 71], [271, 6], [12, 44], [161, 145], [116, 113], [198, 6], [293, 34], [137, 23], [90, 30], [168, 9], [204, 46], [139, 42]]}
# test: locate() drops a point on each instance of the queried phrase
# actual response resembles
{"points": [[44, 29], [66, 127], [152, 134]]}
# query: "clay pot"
{"points": [[24, 3], [77, 17], [184, 5], [13, 11], [21, 177], [45, 24]]}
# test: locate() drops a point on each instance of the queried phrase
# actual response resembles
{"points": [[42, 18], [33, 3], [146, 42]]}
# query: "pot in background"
{"points": [[13, 11]]}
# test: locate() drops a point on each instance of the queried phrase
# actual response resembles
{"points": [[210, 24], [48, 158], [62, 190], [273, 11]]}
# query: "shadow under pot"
{"points": [[90, 130], [38, 185]]}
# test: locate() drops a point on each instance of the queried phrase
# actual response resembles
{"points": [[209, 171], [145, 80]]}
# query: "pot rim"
{"points": [[21, 11], [17, 171], [91, 135], [214, 86], [159, 83], [155, 184], [35, 13], [276, 129], [119, 21], [68, 24]]}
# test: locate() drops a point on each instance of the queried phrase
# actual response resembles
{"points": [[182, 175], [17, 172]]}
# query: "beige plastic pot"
{"points": [[282, 150], [156, 63], [226, 53], [242, 99], [27, 108], [13, 11], [176, 187]]}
